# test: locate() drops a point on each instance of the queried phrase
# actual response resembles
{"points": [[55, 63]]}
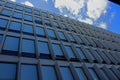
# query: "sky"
{"points": [[100, 13]]}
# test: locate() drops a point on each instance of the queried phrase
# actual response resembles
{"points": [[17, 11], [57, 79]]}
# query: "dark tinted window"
{"points": [[28, 10], [40, 31], [27, 29], [28, 46], [18, 7], [43, 48], [90, 54], [27, 17], [81, 74], [36, 12], [37, 20], [17, 15], [3, 23], [71, 38], [66, 73], [93, 73], [10, 5], [1, 2], [61, 35], [57, 49], [1, 38], [48, 72], [5, 12], [7, 71], [55, 24], [81, 54], [15, 26], [11, 43], [44, 14], [69, 51], [47, 23], [51, 34], [28, 72]]}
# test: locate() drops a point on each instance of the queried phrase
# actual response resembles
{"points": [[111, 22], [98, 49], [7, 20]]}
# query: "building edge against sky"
{"points": [[44, 46]]}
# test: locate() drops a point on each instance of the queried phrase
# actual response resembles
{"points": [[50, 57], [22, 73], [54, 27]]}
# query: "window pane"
{"points": [[28, 46], [93, 74], [55, 24], [44, 14], [81, 54], [11, 43], [27, 17], [40, 31], [71, 37], [10, 5], [36, 12], [18, 7], [28, 29], [51, 33], [104, 74], [57, 49], [89, 53], [48, 72], [1, 38], [3, 23], [81, 74], [28, 10], [47, 22], [69, 52], [66, 74], [1, 2], [28, 72], [43, 48], [5, 12], [7, 71], [37, 20], [61, 35], [17, 15], [15, 26]]}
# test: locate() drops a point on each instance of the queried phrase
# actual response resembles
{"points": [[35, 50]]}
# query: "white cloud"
{"points": [[13, 0], [103, 25], [46, 0], [28, 3], [95, 8], [88, 11]]}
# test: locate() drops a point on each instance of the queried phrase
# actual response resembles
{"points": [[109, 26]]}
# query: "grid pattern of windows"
{"points": [[47, 46]]}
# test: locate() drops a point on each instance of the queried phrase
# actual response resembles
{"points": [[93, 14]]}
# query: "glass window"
{"points": [[71, 37], [89, 54], [1, 38], [57, 49], [55, 24], [61, 35], [43, 48], [28, 46], [17, 15], [15, 26], [51, 33], [104, 74], [11, 43], [18, 7], [47, 23], [44, 14], [28, 72], [1, 2], [81, 74], [48, 72], [10, 5], [28, 10], [7, 71], [69, 51], [27, 17], [93, 74], [40, 31], [28, 29], [66, 73], [64, 27], [81, 54], [37, 20], [52, 16], [3, 23], [36, 12], [5, 12]]}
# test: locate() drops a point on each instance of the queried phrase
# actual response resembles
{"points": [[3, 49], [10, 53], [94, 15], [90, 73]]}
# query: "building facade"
{"points": [[39, 45]]}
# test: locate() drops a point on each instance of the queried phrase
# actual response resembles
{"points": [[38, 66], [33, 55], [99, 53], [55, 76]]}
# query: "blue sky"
{"points": [[101, 13]]}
